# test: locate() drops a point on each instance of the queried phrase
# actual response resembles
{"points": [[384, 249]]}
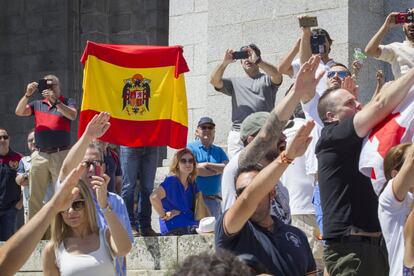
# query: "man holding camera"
{"points": [[53, 116], [252, 93], [399, 55]]}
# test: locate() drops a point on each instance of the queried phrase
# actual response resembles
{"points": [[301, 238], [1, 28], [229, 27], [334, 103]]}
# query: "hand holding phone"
{"points": [[308, 21], [43, 85], [404, 17], [240, 54]]}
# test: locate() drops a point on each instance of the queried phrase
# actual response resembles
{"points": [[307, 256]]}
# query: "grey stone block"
{"points": [[55, 20], [200, 59], [12, 7], [194, 244], [42, 6], [222, 37], [152, 253], [188, 52], [147, 272], [93, 23], [33, 22], [179, 7], [116, 6], [200, 5], [196, 91], [299, 7], [179, 29], [91, 6], [120, 23]]}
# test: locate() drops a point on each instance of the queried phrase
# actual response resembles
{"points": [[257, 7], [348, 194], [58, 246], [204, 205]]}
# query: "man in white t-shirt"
{"points": [[395, 202], [399, 54]]}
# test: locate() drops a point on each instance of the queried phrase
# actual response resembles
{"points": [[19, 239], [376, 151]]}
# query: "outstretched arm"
{"points": [[217, 75], [95, 129], [383, 104], [285, 65], [264, 182], [305, 83], [372, 48], [15, 252]]}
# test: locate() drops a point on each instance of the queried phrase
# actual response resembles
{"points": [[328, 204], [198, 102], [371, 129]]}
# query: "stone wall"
{"points": [[149, 256], [216, 25], [48, 36]]}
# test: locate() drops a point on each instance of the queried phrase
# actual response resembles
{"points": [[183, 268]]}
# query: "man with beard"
{"points": [[399, 55], [262, 134], [247, 227]]}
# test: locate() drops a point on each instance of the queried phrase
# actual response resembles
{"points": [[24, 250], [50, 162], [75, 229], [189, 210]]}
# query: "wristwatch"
{"points": [[107, 209]]}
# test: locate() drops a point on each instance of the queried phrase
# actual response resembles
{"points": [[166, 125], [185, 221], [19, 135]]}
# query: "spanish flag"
{"points": [[143, 89]]}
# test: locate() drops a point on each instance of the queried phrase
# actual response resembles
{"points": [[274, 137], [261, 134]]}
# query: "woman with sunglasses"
{"points": [[77, 246], [174, 199], [395, 203]]}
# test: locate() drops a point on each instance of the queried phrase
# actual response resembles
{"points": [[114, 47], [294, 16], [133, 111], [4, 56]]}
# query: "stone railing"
{"points": [[149, 255]]}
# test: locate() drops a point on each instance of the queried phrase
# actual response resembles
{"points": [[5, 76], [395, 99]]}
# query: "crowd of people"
{"points": [[287, 198]]}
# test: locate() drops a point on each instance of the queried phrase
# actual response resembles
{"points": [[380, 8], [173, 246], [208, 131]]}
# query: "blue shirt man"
{"points": [[211, 160]]}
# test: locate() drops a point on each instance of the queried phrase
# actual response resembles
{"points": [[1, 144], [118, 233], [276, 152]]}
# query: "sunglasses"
{"points": [[93, 163], [77, 205], [341, 74], [207, 127], [5, 137], [184, 161]]}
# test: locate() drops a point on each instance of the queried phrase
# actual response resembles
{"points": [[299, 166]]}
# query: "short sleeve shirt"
{"points": [[10, 191], [208, 185], [347, 196], [249, 95], [284, 251], [399, 55]]}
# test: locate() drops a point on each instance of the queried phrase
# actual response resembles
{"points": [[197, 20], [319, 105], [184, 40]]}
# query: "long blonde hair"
{"points": [[60, 229], [174, 167]]}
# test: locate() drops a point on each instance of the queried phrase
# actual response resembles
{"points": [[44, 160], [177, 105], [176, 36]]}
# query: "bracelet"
{"points": [[284, 159], [258, 60]]}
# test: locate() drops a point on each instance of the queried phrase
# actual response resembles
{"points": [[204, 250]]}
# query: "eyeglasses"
{"points": [[4, 137], [184, 160], [93, 162], [207, 127], [341, 74], [77, 205]]}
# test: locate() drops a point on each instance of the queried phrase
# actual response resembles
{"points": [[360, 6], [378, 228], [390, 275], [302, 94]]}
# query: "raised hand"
{"points": [[301, 141], [349, 84], [390, 20], [228, 57], [307, 79], [100, 186], [98, 125], [64, 197], [31, 88]]}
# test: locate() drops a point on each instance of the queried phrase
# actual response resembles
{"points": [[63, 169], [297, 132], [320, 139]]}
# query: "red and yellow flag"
{"points": [[143, 89]]}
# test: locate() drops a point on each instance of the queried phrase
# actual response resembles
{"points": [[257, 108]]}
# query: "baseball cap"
{"points": [[252, 124], [205, 120]]}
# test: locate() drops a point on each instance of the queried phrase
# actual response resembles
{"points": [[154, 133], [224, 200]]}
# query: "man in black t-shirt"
{"points": [[354, 245], [247, 227]]}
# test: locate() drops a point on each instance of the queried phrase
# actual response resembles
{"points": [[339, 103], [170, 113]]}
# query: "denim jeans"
{"points": [[316, 201], [138, 162], [7, 223]]}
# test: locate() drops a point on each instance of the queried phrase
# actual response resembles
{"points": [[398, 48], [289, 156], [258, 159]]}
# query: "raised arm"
{"points": [[217, 75], [95, 129], [285, 65], [268, 68], [15, 252], [264, 182], [372, 48], [305, 83], [383, 104], [22, 109], [117, 235], [305, 50]]}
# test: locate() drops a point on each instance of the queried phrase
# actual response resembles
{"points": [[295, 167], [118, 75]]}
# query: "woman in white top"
{"points": [[395, 202], [77, 246]]}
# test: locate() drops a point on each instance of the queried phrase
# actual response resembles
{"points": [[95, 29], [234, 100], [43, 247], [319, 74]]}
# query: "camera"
{"points": [[404, 17], [240, 55], [318, 44], [308, 21], [43, 85]]}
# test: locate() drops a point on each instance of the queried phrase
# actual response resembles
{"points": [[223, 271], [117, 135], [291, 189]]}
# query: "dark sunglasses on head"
{"points": [[77, 205], [341, 74], [93, 162], [207, 127], [5, 137], [184, 161]]}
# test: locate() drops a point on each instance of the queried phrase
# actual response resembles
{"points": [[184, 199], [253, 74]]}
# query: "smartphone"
{"points": [[404, 17], [240, 55], [43, 85], [308, 21], [318, 44], [98, 170]]}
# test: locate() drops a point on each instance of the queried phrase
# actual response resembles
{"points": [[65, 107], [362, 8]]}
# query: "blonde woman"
{"points": [[77, 246], [174, 199]]}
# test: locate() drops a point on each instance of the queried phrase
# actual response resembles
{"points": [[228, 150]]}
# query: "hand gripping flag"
{"points": [[395, 129], [143, 89]]}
